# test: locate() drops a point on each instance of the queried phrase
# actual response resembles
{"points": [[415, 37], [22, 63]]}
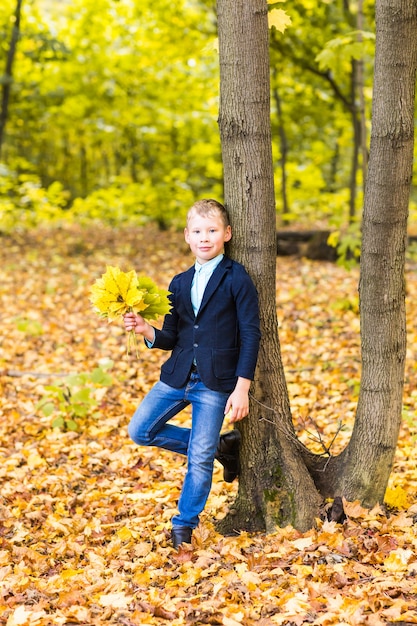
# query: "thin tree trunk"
{"points": [[283, 148], [356, 127], [358, 113], [8, 73], [360, 82], [83, 170]]}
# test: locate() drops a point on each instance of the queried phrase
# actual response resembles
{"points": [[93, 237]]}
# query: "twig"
{"points": [[293, 436], [18, 374]]}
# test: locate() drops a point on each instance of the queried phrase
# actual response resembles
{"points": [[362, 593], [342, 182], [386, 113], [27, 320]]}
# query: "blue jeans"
{"points": [[149, 427]]}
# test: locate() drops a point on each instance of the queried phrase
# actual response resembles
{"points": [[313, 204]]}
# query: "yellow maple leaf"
{"points": [[280, 19], [396, 497], [34, 460], [70, 573], [23, 616], [124, 533], [302, 543], [117, 600], [117, 293], [397, 560]]}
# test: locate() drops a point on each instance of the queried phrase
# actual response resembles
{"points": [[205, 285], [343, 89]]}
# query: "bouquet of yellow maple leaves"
{"points": [[117, 293]]}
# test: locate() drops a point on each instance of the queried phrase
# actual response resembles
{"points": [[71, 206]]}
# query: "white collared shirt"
{"points": [[201, 277]]}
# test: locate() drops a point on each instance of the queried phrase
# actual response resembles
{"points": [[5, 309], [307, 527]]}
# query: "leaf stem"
{"points": [[132, 339]]}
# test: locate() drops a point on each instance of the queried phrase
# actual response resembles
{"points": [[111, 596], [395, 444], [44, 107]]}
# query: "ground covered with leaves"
{"points": [[85, 515]]}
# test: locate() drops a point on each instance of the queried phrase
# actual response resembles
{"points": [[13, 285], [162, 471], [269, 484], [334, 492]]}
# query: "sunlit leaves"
{"points": [[339, 52], [118, 292], [29, 327], [279, 19], [90, 76], [118, 63], [155, 300], [76, 397]]}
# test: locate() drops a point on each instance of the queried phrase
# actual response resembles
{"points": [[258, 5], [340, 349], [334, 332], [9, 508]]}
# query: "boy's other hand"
{"points": [[237, 405]]}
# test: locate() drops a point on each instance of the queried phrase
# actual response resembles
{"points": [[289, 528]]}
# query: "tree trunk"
{"points": [[283, 143], [353, 183], [360, 82], [275, 487], [8, 73], [281, 481], [362, 470], [357, 110], [368, 459]]}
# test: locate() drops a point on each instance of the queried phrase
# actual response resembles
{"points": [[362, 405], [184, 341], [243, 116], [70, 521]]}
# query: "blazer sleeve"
{"points": [[247, 312]]}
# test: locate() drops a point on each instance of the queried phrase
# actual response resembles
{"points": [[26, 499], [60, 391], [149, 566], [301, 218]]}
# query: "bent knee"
{"points": [[139, 437]]}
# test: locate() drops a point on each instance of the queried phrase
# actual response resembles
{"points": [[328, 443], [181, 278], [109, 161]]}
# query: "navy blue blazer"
{"points": [[223, 338]]}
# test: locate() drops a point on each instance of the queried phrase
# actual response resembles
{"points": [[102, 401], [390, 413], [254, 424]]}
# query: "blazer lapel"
{"points": [[213, 283], [188, 279]]}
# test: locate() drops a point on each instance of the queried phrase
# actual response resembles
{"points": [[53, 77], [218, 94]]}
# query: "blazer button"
{"points": [[196, 326], [195, 345]]}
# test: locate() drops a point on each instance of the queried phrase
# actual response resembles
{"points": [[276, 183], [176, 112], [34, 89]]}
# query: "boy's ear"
{"points": [[228, 233], [186, 237]]}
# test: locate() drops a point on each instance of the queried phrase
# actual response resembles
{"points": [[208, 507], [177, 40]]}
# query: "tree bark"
{"points": [[353, 184], [8, 73], [281, 481], [283, 143], [360, 82], [366, 463], [357, 110], [362, 470], [275, 487]]}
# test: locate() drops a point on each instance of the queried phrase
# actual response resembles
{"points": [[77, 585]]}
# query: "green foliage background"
{"points": [[113, 111]]}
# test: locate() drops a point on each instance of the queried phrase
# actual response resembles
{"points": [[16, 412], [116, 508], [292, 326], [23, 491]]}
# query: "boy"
{"points": [[213, 332]]}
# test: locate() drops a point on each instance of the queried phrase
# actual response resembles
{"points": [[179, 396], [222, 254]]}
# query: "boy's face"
{"points": [[206, 236]]}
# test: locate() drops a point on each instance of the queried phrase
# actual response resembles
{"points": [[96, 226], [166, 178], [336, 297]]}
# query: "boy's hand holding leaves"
{"points": [[117, 293]]}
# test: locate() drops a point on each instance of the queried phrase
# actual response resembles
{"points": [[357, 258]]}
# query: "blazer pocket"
{"points": [[224, 362], [169, 366]]}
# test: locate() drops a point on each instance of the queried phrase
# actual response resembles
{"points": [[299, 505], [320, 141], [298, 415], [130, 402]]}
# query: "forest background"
{"points": [[110, 134], [112, 112]]}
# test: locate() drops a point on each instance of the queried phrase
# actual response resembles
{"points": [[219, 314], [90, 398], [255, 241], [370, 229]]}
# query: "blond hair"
{"points": [[208, 207]]}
